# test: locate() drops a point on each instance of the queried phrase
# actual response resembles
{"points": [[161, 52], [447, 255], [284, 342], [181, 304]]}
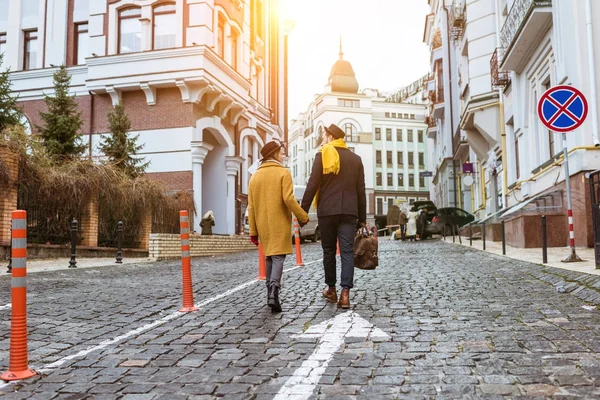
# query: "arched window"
{"points": [[221, 37], [130, 30], [165, 26], [351, 132], [234, 48]]}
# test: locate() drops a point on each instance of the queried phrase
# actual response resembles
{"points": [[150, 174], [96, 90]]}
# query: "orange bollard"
{"points": [[299, 261], [262, 263], [337, 252], [18, 362], [186, 264]]}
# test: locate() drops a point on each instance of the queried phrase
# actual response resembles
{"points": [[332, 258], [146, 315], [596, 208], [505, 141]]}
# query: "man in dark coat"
{"points": [[337, 181]]}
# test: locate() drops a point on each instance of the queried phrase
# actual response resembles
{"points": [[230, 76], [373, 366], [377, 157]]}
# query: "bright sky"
{"points": [[383, 39]]}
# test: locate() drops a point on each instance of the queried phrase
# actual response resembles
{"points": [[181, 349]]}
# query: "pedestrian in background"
{"points": [[337, 182], [411, 230], [207, 222], [271, 203], [402, 220]]}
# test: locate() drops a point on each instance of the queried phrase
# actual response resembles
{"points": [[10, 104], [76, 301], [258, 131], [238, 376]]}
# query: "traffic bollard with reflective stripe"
{"points": [[297, 241], [186, 265], [18, 362], [262, 263]]}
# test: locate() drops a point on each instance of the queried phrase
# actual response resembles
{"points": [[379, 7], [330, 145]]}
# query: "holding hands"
{"points": [[303, 223]]}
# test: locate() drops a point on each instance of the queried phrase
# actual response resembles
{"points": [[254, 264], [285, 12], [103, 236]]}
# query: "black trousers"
{"points": [[342, 227]]}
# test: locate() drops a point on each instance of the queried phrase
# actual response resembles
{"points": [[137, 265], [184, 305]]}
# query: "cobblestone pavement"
{"points": [[461, 324]]}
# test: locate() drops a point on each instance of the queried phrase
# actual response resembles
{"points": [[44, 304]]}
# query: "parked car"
{"points": [[311, 230], [426, 204], [446, 218]]}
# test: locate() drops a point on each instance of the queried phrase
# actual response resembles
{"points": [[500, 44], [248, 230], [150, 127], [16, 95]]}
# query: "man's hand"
{"points": [[254, 239], [301, 224]]}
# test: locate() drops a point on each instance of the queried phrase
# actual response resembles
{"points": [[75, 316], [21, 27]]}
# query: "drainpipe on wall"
{"points": [[451, 105], [502, 124], [592, 68], [91, 122]]}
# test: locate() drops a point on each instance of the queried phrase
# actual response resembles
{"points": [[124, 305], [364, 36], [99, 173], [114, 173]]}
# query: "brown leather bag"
{"points": [[365, 250]]}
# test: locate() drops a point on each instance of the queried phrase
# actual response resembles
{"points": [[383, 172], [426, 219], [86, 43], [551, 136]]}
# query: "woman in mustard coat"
{"points": [[271, 203]]}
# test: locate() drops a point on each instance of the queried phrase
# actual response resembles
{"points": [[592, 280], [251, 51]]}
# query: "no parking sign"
{"points": [[563, 109]]}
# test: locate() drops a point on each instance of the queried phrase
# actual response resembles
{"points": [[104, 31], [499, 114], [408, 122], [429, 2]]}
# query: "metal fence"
{"points": [[108, 220], [44, 225]]}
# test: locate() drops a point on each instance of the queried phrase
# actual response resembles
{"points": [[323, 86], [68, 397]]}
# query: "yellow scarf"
{"points": [[331, 160]]}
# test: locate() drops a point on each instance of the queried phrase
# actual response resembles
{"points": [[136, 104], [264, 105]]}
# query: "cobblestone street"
{"points": [[454, 323]]}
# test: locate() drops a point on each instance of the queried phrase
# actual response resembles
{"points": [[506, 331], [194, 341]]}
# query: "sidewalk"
{"points": [[55, 264], [534, 255]]}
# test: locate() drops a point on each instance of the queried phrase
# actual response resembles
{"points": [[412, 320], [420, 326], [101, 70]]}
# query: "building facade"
{"points": [[201, 80], [528, 46], [387, 132]]}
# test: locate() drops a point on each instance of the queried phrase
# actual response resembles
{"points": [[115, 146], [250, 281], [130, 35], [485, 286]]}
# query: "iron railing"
{"points": [[47, 225], [517, 16], [458, 19], [500, 79]]}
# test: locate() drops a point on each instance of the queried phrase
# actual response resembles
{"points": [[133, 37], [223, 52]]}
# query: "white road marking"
{"points": [[9, 305], [146, 327], [332, 332]]}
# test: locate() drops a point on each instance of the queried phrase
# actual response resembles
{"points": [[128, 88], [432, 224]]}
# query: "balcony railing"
{"points": [[431, 122], [439, 96], [458, 19], [517, 16], [500, 79]]}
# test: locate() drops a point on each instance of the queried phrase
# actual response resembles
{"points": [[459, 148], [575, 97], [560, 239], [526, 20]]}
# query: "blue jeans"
{"points": [[342, 228]]}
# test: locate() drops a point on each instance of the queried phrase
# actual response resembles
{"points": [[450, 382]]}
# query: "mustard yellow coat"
{"points": [[271, 203]]}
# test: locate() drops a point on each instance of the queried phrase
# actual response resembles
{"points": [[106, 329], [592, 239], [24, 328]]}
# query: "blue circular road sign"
{"points": [[562, 108]]}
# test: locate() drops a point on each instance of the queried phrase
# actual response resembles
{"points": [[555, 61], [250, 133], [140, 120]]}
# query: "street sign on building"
{"points": [[426, 174], [467, 168], [562, 108]]}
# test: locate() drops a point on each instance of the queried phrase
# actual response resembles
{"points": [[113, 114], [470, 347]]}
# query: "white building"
{"points": [[529, 46], [201, 80], [388, 133]]}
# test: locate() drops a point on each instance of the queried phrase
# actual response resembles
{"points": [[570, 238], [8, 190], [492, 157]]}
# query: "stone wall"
{"points": [[164, 246]]}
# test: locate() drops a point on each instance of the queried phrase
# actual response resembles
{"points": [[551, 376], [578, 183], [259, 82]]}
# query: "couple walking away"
{"points": [[336, 185]]}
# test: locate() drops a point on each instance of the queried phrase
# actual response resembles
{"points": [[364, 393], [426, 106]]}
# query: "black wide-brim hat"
{"points": [[269, 149], [335, 131]]}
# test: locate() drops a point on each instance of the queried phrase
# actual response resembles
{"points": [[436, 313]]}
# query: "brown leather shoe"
{"points": [[330, 294], [344, 301]]}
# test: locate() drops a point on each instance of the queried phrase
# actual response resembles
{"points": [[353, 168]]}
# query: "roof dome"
{"points": [[342, 78]]}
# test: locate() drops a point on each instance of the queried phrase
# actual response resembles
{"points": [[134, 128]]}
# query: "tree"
{"points": [[10, 112], [120, 148], [61, 133]]}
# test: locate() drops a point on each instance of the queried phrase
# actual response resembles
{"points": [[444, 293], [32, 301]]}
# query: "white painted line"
{"points": [[9, 305], [332, 332], [144, 328]]}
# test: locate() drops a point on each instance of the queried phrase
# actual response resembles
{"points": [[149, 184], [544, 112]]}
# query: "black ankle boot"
{"points": [[276, 306], [271, 296]]}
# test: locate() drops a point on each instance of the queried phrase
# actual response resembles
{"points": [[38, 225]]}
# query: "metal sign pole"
{"points": [[573, 257]]}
